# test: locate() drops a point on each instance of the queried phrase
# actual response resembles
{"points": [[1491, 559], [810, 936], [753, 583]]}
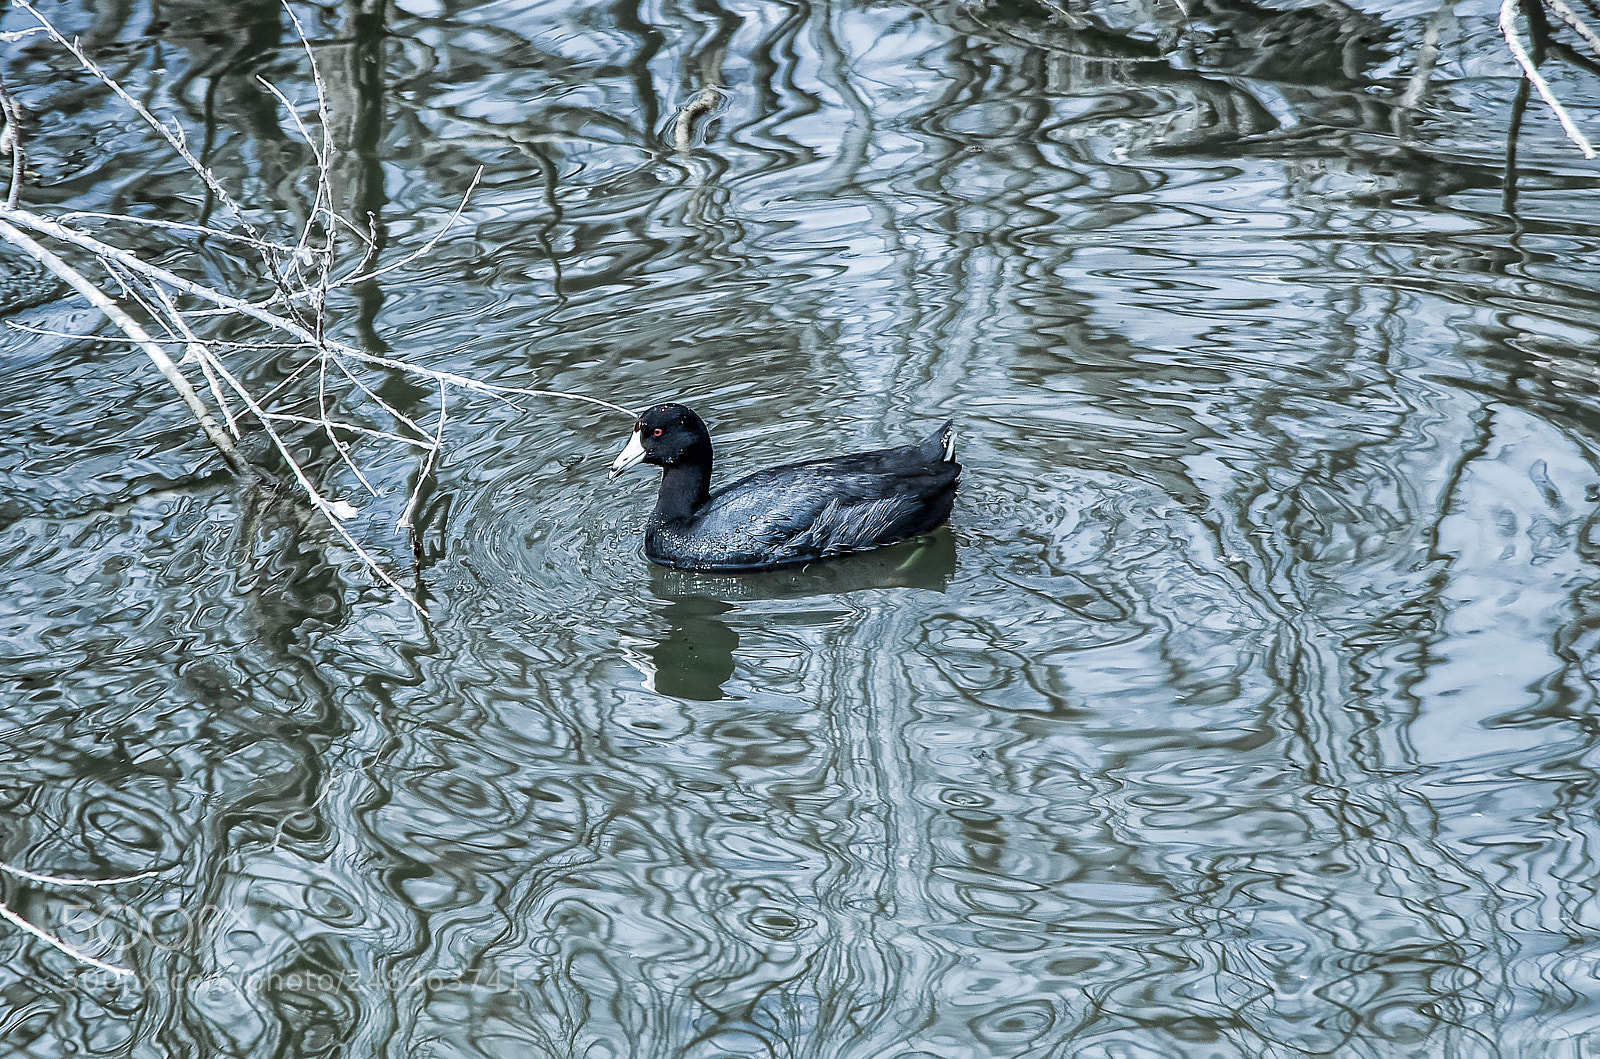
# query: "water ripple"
{"points": [[1245, 709]]}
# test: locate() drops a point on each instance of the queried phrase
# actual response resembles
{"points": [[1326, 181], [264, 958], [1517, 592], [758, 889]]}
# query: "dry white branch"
{"points": [[12, 139], [130, 327], [353, 428], [56, 880], [121, 263], [302, 275], [1508, 28], [1576, 22], [363, 277], [327, 425], [427, 465], [198, 351], [56, 943], [216, 392], [333, 511], [51, 940], [173, 134], [324, 197], [178, 226], [377, 399], [95, 336], [242, 307]]}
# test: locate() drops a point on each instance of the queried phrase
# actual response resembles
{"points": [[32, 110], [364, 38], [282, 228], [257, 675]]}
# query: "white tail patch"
{"points": [[949, 445]]}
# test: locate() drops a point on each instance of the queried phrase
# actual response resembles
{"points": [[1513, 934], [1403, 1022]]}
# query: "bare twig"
{"points": [[302, 273], [377, 398], [12, 138], [56, 880], [327, 424], [50, 939], [354, 428], [198, 351], [173, 134], [324, 196], [96, 336], [215, 387], [131, 327], [1566, 14], [334, 511], [1508, 28], [238, 305], [252, 241], [56, 943], [82, 336], [427, 465], [362, 277]]}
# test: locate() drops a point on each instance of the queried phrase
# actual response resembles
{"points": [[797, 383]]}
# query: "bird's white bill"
{"points": [[630, 456]]}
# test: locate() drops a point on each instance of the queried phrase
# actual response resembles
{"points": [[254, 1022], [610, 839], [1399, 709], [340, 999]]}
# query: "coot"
{"points": [[789, 514]]}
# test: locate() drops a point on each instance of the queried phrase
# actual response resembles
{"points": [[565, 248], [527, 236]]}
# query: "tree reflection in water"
{"points": [[1245, 710]]}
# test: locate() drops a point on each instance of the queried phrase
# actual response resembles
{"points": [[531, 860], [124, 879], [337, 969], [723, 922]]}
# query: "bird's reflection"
{"points": [[694, 655]]}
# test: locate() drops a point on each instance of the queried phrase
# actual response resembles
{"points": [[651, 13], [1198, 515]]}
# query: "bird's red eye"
{"points": [[658, 432]]}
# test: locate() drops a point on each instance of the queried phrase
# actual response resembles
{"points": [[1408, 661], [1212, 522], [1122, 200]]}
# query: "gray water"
{"points": [[1246, 708]]}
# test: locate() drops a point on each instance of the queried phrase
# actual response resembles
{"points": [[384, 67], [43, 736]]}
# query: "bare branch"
{"points": [[377, 399], [130, 327], [324, 196], [175, 138], [252, 241], [56, 880], [200, 353], [327, 424], [333, 511], [427, 465], [136, 264], [1508, 28], [1566, 14], [354, 428], [403, 262], [11, 112], [302, 272], [57, 943]]}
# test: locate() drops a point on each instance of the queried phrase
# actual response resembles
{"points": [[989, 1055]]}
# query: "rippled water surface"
{"points": [[1246, 708]]}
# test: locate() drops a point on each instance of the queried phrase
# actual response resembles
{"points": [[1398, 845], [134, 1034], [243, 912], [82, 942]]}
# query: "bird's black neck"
{"points": [[684, 487]]}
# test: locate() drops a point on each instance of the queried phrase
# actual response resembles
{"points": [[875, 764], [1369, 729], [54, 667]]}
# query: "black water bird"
{"points": [[786, 515]]}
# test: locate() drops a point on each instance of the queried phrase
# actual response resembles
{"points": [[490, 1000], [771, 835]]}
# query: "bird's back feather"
{"points": [[803, 511]]}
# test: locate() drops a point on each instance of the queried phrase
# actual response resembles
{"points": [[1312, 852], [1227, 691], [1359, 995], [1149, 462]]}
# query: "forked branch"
{"points": [[301, 270], [1508, 29]]}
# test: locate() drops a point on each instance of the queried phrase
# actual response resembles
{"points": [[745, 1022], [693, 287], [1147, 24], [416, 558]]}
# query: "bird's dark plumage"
{"points": [[790, 514]]}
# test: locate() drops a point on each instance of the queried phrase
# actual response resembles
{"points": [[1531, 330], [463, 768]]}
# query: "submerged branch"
{"points": [[427, 466]]}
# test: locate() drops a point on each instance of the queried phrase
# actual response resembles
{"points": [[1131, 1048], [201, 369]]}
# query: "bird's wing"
{"points": [[820, 511]]}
